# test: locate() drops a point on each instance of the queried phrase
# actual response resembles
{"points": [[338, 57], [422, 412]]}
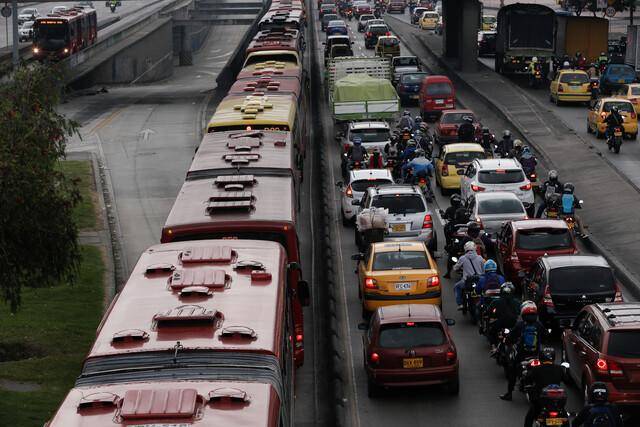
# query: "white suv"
{"points": [[358, 182], [372, 134], [497, 175]]}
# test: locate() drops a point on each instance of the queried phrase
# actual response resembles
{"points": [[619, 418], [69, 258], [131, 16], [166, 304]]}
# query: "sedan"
{"points": [[447, 126], [326, 19], [409, 86], [598, 114], [409, 345], [28, 14], [372, 34], [570, 86], [26, 31], [492, 210], [338, 27]]}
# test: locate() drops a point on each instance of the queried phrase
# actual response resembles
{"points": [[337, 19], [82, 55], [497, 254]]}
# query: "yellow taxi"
{"points": [[392, 273], [597, 115], [570, 86], [429, 20], [489, 22], [632, 93], [452, 162], [387, 46]]}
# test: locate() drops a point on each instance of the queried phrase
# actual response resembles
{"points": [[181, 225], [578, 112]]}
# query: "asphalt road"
{"points": [[103, 12]]}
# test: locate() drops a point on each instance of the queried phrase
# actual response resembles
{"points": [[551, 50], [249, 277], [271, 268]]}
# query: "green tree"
{"points": [[38, 238]]}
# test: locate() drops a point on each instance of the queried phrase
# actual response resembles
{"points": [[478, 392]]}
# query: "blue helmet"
{"points": [[490, 265], [357, 141]]}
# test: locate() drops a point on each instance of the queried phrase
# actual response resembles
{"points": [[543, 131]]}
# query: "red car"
{"points": [[521, 243], [362, 9], [396, 6], [409, 345], [437, 94], [603, 344], [447, 126]]}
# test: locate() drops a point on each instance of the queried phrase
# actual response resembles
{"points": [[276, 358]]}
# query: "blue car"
{"points": [[615, 76], [335, 28], [409, 86]]}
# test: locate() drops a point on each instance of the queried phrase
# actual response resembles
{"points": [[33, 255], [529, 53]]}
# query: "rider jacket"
{"points": [[489, 280], [507, 309], [357, 153], [548, 184], [505, 146], [466, 132], [600, 408], [515, 336], [528, 162], [406, 122], [614, 119], [375, 162]]}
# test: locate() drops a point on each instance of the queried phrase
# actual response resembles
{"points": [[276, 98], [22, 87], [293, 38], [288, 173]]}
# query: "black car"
{"points": [[486, 43], [561, 285], [371, 36], [409, 86]]}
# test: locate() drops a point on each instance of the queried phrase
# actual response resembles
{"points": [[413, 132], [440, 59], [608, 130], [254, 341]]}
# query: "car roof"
{"points": [[487, 32], [378, 25], [614, 99], [493, 195], [409, 312], [559, 261], [338, 37], [368, 125], [457, 111], [532, 224], [462, 146], [498, 164], [437, 79], [387, 37], [573, 71], [337, 23], [398, 246], [625, 315], [362, 174], [396, 188]]}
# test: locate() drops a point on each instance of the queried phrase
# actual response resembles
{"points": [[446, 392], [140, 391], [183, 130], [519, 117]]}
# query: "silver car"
{"points": [[354, 188], [409, 215], [491, 210]]}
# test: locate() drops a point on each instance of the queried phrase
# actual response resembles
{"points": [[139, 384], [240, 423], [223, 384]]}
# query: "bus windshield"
{"points": [[51, 32]]}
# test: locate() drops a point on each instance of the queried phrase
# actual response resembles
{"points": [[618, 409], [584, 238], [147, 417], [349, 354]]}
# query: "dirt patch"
{"points": [[11, 351], [18, 386]]}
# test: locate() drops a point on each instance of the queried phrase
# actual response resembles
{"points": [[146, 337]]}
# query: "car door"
{"points": [[465, 182], [504, 247], [570, 345], [586, 345], [553, 86]]}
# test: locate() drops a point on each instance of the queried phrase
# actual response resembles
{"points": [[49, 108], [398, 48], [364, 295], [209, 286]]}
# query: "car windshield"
{"points": [[462, 157], [620, 72], [543, 239], [413, 78], [622, 106], [400, 260], [581, 280], [399, 203], [488, 19], [419, 11], [362, 184], [439, 89], [635, 90], [430, 15], [411, 335], [500, 206], [624, 344], [455, 118], [370, 135], [575, 78], [29, 12], [405, 62], [329, 17], [27, 24], [501, 176]]}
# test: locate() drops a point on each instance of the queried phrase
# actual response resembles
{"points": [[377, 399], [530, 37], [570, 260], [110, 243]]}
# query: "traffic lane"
{"points": [[43, 8], [482, 381]]}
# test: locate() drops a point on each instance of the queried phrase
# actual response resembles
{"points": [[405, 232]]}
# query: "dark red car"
{"points": [[521, 243], [603, 344], [362, 9], [447, 125], [409, 345], [396, 6]]}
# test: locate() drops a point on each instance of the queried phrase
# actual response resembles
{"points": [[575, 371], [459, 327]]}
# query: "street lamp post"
{"points": [[16, 41]]}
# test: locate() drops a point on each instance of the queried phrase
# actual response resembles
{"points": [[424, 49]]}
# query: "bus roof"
{"points": [[193, 292], [270, 68], [202, 403], [65, 16], [272, 54], [266, 85], [280, 39], [259, 153], [275, 112], [269, 206], [282, 18]]}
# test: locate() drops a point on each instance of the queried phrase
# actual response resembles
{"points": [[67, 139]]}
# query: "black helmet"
{"points": [[614, 109], [598, 392], [548, 355], [569, 188], [473, 229], [485, 130], [456, 200], [468, 119]]}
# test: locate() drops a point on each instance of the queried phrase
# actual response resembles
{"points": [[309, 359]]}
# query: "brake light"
{"points": [[427, 222], [374, 358], [633, 115], [534, 363], [526, 187], [445, 170], [388, 33], [477, 188], [451, 356], [432, 282], [546, 298], [602, 366], [553, 414], [411, 323], [299, 340], [618, 296], [348, 192], [422, 182], [368, 34], [346, 147], [370, 283]]}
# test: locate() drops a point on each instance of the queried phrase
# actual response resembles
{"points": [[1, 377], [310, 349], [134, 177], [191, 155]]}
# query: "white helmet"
{"points": [[470, 247], [534, 59]]}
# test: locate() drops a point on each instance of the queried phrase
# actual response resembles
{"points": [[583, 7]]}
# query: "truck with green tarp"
{"points": [[362, 97]]}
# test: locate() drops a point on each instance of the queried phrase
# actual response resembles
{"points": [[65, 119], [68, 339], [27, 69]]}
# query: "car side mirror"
{"points": [[304, 293], [363, 326], [355, 203], [357, 257], [450, 322]]}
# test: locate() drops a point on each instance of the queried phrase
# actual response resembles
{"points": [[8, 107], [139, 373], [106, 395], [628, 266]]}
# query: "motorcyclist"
{"points": [[466, 130], [416, 122], [552, 184], [480, 238], [528, 161], [569, 204], [375, 161], [488, 140], [505, 145], [592, 71], [534, 67], [505, 311], [357, 153], [566, 65], [113, 4], [579, 61], [454, 215], [406, 121], [408, 152], [541, 376], [490, 279], [471, 265], [518, 145], [425, 140], [613, 120], [392, 149], [603, 58], [527, 336], [598, 411]]}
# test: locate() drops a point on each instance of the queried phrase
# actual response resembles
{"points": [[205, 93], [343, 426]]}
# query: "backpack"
{"points": [[567, 203], [530, 339], [600, 416]]}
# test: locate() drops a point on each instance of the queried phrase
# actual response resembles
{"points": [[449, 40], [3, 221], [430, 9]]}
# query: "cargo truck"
{"points": [[632, 53], [586, 34], [524, 30]]}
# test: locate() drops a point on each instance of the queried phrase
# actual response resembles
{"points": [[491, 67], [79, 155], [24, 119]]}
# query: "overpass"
{"points": [[460, 32]]}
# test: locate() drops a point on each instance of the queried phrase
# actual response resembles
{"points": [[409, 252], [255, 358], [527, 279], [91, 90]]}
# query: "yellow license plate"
{"points": [[555, 421], [398, 227], [617, 134], [414, 362]]}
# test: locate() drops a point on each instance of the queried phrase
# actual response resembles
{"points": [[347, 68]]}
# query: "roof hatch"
{"points": [[228, 393], [98, 400], [209, 277], [238, 332], [207, 254], [143, 404], [244, 180], [129, 335], [241, 159], [187, 314]]}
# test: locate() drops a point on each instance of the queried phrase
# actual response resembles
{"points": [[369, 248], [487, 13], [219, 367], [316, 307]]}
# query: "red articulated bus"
{"points": [[277, 39], [62, 34], [201, 334]]}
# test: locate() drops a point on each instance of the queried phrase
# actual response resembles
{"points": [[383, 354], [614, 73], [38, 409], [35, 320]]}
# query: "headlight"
{"points": [[36, 50], [66, 50]]}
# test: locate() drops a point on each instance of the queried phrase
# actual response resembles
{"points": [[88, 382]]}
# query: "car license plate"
{"points": [[620, 80], [555, 421], [415, 96], [403, 286], [439, 101], [413, 362], [398, 227]]}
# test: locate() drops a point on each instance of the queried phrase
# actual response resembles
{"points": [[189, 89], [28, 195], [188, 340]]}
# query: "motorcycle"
{"points": [[535, 78], [552, 403], [503, 350], [487, 317], [113, 8], [425, 187], [349, 165], [594, 83], [349, 14], [614, 140]]}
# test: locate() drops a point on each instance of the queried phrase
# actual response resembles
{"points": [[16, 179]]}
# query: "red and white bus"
{"points": [[61, 34]]}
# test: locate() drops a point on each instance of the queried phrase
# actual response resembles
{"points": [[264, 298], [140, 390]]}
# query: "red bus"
{"points": [[62, 34], [200, 334], [243, 207]]}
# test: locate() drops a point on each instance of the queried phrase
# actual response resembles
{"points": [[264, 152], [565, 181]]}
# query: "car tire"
{"points": [[433, 244], [588, 128], [634, 136], [453, 387], [373, 389], [345, 221]]}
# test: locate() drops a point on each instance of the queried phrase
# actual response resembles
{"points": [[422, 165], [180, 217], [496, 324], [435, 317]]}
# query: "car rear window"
{"points": [[635, 90], [413, 78], [363, 184], [488, 36], [405, 62], [583, 280], [460, 157], [399, 203], [439, 89], [624, 344], [543, 239], [501, 176], [389, 42], [411, 335], [500, 206], [364, 18], [620, 72], [430, 15], [370, 135], [622, 106], [400, 260], [451, 118], [378, 29], [575, 78]]}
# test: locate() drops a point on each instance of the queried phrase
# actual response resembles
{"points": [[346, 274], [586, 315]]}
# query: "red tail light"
{"points": [[388, 33], [299, 340], [618, 296], [479, 221], [451, 356], [546, 298], [427, 222], [526, 187], [348, 192], [368, 34], [370, 283], [534, 363], [609, 367], [432, 282], [346, 147], [374, 358], [560, 88], [445, 170], [477, 188], [553, 414]]}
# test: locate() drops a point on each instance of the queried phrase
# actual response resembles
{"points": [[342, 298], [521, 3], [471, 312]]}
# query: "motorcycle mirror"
{"points": [[506, 331], [450, 322], [581, 202], [453, 258], [565, 365]]}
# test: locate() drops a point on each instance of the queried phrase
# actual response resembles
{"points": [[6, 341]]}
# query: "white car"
{"points": [[359, 181], [58, 9], [493, 209], [25, 32], [485, 175], [28, 14], [372, 134]]}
